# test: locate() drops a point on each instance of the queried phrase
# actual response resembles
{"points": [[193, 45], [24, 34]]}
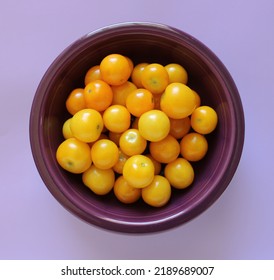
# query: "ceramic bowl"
{"points": [[142, 42]]}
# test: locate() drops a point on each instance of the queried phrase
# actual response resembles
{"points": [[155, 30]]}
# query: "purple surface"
{"points": [[238, 225]]}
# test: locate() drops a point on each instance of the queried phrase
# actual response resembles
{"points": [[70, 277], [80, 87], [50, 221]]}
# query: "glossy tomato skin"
{"points": [[138, 171], [74, 155], [125, 192], [104, 153], [76, 101], [193, 146], [87, 125], [154, 125], [178, 101], [100, 181], [177, 73], [204, 119], [158, 193], [179, 173]]}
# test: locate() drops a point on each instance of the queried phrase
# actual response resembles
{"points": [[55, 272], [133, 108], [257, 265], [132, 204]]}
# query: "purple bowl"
{"points": [[147, 42]]}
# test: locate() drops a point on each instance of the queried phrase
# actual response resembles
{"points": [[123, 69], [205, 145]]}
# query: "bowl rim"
{"points": [[177, 219]]}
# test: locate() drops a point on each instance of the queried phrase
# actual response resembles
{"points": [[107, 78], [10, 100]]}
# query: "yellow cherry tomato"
{"points": [[66, 129], [76, 101], [87, 125], [176, 73], [124, 192], [157, 164], [193, 146], [204, 119], [115, 69], [92, 74], [198, 99], [154, 125], [154, 77], [138, 171], [119, 165], [136, 74], [165, 150], [158, 192], [178, 101], [104, 153], [100, 181], [132, 142], [179, 173], [74, 155], [117, 118]]}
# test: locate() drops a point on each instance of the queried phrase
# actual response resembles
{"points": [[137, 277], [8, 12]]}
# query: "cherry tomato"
{"points": [[119, 165], [139, 101], [66, 129], [165, 150], [87, 125], [176, 73], [158, 192], [100, 181], [138, 171], [194, 146], [93, 74], [98, 95], [74, 155], [75, 101], [124, 192], [154, 77], [204, 119], [179, 127], [115, 69], [117, 118], [179, 173], [136, 74], [157, 164], [178, 101], [198, 99], [104, 153], [154, 125], [120, 93], [132, 142]]}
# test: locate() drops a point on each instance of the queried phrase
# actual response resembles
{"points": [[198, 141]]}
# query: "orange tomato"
{"points": [[138, 171], [193, 146], [178, 101], [93, 74], [115, 69], [179, 127], [157, 164], [74, 155], [121, 92], [154, 125], [124, 192], [132, 142], [136, 74], [98, 95], [165, 150], [66, 131], [75, 101], [139, 101], [117, 118], [179, 173], [154, 77]]}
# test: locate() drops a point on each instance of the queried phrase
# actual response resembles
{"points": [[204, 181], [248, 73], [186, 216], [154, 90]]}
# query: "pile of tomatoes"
{"points": [[135, 129]]}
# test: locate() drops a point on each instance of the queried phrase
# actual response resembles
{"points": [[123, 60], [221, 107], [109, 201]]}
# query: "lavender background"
{"points": [[240, 225]]}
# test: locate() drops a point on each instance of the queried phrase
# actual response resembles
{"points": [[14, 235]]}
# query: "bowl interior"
{"points": [[142, 43]]}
